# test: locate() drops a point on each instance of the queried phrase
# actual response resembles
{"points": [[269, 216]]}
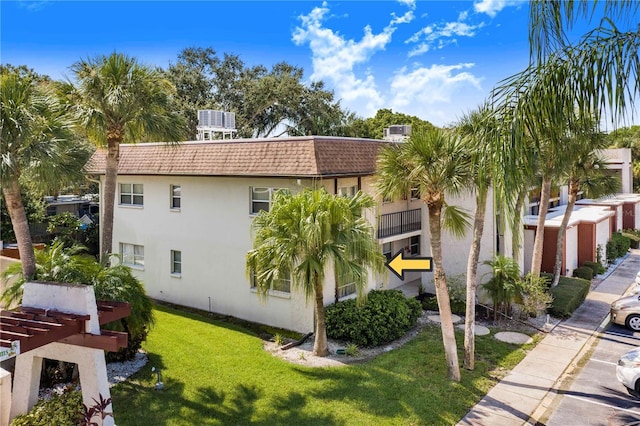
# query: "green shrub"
{"points": [[62, 409], [622, 243], [596, 267], [634, 239], [385, 316], [617, 246], [584, 272], [612, 251], [568, 295]]}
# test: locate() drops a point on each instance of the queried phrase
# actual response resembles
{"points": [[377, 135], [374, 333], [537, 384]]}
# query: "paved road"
{"points": [[594, 396]]}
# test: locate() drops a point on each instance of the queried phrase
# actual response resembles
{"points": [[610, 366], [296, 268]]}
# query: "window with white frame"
{"points": [[176, 196], [348, 191], [261, 199], [414, 245], [386, 250], [132, 255], [131, 194], [346, 285], [176, 262], [282, 285]]}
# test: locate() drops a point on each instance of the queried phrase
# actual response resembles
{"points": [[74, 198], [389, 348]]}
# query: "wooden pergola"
{"points": [[36, 327]]}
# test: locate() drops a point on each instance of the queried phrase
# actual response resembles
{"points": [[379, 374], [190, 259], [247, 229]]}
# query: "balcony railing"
{"points": [[399, 223]]}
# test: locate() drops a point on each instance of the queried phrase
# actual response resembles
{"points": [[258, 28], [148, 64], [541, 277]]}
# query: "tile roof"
{"points": [[308, 156]]}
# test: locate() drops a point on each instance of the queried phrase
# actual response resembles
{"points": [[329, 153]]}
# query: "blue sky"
{"points": [[433, 59]]}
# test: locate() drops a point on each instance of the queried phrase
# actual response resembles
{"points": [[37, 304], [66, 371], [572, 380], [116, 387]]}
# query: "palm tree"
{"points": [[121, 101], [584, 172], [37, 147], [304, 233], [57, 263], [438, 164], [595, 76], [479, 130], [503, 287]]}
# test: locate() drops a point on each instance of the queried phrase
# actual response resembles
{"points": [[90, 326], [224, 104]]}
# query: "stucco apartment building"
{"points": [[183, 220], [183, 216]]}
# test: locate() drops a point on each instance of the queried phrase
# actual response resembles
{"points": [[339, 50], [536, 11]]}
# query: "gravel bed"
{"points": [[117, 372]]}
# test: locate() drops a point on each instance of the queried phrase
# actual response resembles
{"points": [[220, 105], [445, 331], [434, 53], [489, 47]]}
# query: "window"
{"points": [[415, 193], [346, 285], [282, 285], [386, 250], [414, 245], [131, 194], [176, 196], [386, 199], [132, 255], [176, 262], [261, 199], [348, 191]]}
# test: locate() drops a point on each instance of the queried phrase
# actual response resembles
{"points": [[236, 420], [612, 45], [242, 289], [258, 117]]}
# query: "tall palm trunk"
{"points": [[108, 201], [11, 191], [442, 292], [516, 236], [536, 258], [472, 280], [320, 346], [573, 195]]}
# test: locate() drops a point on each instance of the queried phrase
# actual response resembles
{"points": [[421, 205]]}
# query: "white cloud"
{"points": [[431, 35], [410, 3], [334, 57], [425, 91], [492, 7]]}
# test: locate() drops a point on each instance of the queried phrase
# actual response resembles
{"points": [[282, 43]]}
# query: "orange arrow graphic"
{"points": [[398, 264]]}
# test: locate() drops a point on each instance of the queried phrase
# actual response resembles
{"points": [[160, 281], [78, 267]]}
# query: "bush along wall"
{"points": [[385, 316], [617, 247], [568, 295]]}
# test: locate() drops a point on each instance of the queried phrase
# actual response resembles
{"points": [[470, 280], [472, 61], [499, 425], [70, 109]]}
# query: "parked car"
{"points": [[635, 287], [628, 371], [626, 311]]}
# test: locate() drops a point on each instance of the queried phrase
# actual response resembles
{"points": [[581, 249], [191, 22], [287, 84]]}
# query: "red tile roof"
{"points": [[308, 156]]}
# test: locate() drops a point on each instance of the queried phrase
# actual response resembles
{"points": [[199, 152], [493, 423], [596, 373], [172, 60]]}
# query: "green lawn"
{"points": [[215, 373]]}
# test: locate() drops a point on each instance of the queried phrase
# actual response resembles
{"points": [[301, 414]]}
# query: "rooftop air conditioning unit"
{"points": [[403, 130], [229, 120]]}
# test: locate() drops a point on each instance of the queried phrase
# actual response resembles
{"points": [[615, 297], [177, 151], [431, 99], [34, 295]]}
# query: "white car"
{"points": [[628, 371]]}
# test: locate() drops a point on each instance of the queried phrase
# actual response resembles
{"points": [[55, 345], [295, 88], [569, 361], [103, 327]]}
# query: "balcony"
{"points": [[391, 224]]}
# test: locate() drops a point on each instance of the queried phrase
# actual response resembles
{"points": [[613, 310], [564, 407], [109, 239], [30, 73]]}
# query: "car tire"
{"points": [[633, 322]]}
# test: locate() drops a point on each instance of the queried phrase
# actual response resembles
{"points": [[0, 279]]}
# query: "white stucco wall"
{"points": [[571, 250], [529, 239], [212, 230], [603, 233], [619, 216], [455, 251]]}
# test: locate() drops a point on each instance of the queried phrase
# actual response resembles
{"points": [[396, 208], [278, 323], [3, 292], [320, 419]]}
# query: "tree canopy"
{"points": [[267, 102]]}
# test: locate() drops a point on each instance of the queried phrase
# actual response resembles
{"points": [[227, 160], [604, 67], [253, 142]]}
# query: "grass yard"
{"points": [[215, 373]]}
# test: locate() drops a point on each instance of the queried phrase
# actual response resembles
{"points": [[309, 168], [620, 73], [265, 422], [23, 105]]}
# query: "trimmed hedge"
{"points": [[596, 267], [568, 295], [634, 239], [584, 272], [385, 316], [617, 246]]}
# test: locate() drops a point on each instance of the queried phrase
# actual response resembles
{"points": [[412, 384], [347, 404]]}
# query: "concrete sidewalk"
{"points": [[525, 396]]}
